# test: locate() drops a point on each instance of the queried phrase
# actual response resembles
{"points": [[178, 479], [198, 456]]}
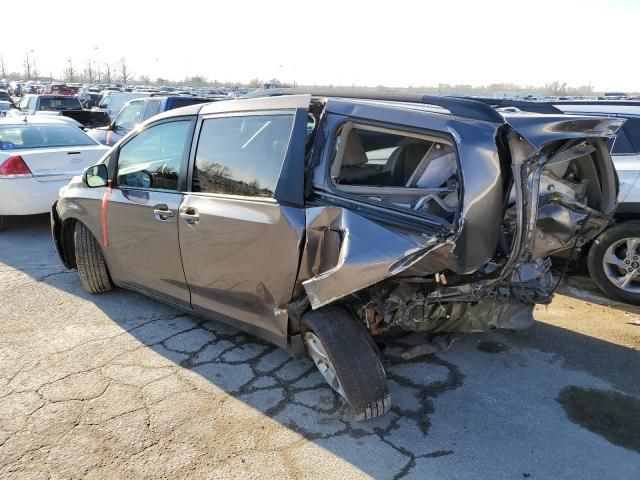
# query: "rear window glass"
{"points": [[14, 137], [59, 103]]}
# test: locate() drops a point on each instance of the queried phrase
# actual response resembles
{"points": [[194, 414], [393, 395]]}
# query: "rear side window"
{"points": [[415, 172], [153, 108], [130, 115], [152, 159], [14, 137], [241, 155]]}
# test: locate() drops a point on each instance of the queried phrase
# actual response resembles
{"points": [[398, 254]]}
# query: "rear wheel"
{"points": [[92, 268], [614, 262], [347, 359]]}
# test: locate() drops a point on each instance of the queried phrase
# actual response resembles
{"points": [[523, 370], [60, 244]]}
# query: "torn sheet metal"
{"points": [[560, 221], [410, 306], [360, 252]]}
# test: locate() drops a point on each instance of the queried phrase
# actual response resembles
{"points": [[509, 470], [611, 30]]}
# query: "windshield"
{"points": [[13, 137], [59, 103]]}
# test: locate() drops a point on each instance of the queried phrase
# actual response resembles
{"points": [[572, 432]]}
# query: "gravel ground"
{"points": [[117, 385]]}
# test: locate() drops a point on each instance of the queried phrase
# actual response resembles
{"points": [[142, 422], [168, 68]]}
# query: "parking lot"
{"points": [[118, 385]]}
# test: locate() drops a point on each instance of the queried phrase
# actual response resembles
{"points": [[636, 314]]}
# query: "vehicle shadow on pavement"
{"points": [[210, 359]]}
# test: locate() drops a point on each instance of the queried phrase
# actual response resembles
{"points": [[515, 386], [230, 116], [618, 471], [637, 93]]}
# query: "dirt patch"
{"points": [[491, 347], [611, 414]]}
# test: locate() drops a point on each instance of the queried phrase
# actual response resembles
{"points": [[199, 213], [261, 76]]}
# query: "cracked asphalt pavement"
{"points": [[118, 385]]}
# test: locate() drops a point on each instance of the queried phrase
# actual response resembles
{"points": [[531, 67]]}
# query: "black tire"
{"points": [[596, 256], [92, 268], [354, 358]]}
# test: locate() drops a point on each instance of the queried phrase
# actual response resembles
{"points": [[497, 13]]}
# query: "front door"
{"points": [[240, 243], [143, 250]]}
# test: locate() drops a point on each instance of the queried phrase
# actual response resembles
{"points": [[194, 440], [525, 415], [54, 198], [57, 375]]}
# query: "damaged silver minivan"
{"points": [[318, 221]]}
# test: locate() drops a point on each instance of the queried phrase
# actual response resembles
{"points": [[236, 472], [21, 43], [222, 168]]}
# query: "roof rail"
{"points": [[460, 107], [527, 105]]}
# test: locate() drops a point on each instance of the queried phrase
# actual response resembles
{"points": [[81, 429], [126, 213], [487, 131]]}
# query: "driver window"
{"points": [[130, 116], [152, 158]]}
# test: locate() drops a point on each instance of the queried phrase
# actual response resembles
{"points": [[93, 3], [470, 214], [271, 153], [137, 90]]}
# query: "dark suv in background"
{"points": [[315, 222]]}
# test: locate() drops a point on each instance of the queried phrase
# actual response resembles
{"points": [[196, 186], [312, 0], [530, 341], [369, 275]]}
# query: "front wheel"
{"points": [[614, 262], [92, 267], [347, 359]]}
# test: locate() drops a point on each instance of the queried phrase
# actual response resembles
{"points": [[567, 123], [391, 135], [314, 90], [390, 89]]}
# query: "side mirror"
{"points": [[112, 126], [96, 176]]}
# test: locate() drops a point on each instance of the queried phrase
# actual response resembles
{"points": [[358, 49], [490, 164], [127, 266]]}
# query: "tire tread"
{"points": [[92, 268], [355, 360]]}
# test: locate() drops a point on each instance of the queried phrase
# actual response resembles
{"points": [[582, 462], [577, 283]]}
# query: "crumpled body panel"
{"points": [[346, 252]]}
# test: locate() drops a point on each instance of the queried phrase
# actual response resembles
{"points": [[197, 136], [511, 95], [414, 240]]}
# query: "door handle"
{"points": [[162, 213], [190, 215]]}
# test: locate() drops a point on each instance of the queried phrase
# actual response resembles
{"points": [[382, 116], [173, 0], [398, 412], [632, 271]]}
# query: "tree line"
{"points": [[104, 72]]}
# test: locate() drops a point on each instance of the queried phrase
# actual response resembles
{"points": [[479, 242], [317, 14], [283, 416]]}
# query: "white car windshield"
{"points": [[15, 137]]}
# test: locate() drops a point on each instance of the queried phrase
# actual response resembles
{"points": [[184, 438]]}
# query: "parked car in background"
{"points": [[38, 155], [5, 107], [112, 102], [58, 89], [30, 88], [64, 105], [613, 258], [89, 99], [315, 222], [15, 89], [137, 111], [4, 96]]}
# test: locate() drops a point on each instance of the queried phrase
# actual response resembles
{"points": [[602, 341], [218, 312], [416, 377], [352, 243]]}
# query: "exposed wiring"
{"points": [[569, 259]]}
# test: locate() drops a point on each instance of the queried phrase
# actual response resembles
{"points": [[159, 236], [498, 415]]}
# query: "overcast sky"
{"points": [[394, 43]]}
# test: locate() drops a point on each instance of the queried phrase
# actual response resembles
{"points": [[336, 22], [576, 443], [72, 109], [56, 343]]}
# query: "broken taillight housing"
{"points": [[13, 167]]}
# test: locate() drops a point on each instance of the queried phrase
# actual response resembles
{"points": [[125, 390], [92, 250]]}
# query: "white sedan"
{"points": [[38, 156]]}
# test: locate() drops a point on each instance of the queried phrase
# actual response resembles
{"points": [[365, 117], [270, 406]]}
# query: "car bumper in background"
{"points": [[28, 196]]}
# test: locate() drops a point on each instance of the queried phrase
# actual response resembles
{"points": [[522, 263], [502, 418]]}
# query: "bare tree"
{"points": [[4, 75], [69, 72], [27, 66], [555, 88], [125, 73], [89, 73], [107, 73]]}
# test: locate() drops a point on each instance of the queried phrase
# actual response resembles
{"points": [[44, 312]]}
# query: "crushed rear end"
{"points": [[540, 185]]}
